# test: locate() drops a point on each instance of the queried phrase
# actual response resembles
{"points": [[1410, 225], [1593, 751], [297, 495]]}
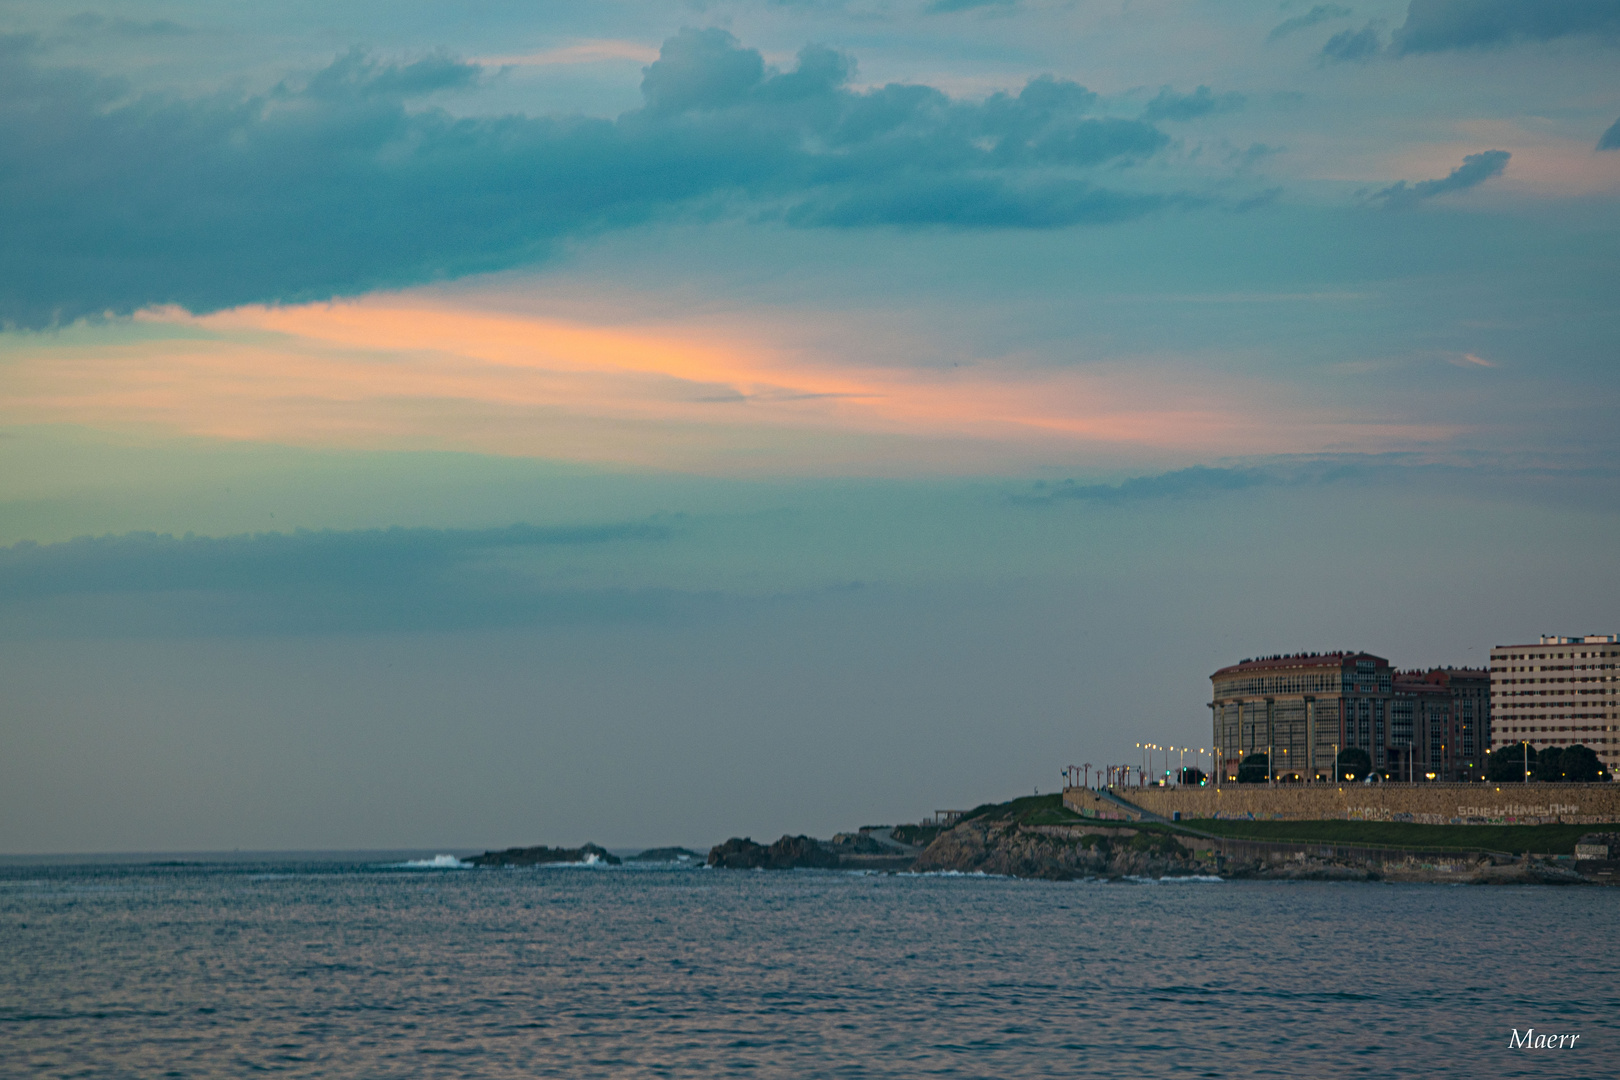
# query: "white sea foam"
{"points": [[438, 862], [948, 873], [590, 859]]}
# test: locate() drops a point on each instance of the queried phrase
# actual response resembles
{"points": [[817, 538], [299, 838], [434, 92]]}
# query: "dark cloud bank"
{"points": [[349, 182], [1321, 13], [1475, 170], [1437, 25], [1610, 140], [335, 581], [1433, 26]]}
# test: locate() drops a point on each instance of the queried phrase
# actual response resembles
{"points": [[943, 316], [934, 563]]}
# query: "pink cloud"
{"points": [[400, 371]]}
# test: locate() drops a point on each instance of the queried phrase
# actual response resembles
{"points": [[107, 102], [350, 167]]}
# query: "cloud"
{"points": [[1610, 140], [1198, 480], [92, 22], [262, 562], [366, 579], [1319, 14], [949, 7], [1438, 25], [1475, 170], [1353, 45], [1201, 102], [1203, 481], [593, 51], [351, 180]]}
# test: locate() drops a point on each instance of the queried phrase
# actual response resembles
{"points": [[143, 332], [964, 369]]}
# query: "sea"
{"points": [[372, 966]]}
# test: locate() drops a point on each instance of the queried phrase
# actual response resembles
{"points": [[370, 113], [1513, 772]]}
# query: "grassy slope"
{"points": [[1542, 839], [1030, 810]]}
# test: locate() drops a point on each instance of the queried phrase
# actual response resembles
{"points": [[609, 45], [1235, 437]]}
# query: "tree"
{"points": [[1191, 777], [1549, 766], [1253, 769], [1507, 765], [1353, 764], [1571, 765]]}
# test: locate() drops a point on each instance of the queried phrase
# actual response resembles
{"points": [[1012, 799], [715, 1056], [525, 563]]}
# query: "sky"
{"points": [[465, 425]]}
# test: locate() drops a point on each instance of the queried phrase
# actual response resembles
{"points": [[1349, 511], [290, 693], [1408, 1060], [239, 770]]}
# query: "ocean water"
{"points": [[364, 969]]}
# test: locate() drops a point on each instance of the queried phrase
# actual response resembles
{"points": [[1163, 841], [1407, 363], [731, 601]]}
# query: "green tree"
{"points": [[1507, 765], [1252, 770], [1575, 764], [1354, 764], [1549, 766]]}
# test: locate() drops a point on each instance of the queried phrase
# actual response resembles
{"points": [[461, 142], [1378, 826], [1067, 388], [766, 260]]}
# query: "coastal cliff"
{"points": [[1061, 853], [1036, 837], [1066, 853]]}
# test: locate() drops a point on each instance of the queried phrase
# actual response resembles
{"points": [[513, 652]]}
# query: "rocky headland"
{"points": [[1037, 837]]}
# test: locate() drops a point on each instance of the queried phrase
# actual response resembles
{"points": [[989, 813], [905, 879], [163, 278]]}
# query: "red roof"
{"points": [[1441, 676], [1300, 660]]}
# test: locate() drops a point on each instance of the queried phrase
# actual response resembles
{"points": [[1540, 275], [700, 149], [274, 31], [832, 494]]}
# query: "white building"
{"points": [[1560, 691]]}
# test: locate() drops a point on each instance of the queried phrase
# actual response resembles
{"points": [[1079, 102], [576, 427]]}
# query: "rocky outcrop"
{"points": [[1061, 853], [1526, 872], [846, 851], [788, 853], [1069, 852], [540, 856], [666, 855]]}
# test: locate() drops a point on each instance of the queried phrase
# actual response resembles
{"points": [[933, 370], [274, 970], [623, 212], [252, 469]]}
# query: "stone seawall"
{"points": [[1425, 804]]}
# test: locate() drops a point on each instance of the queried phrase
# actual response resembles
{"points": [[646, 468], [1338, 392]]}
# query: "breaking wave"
{"points": [[438, 862]]}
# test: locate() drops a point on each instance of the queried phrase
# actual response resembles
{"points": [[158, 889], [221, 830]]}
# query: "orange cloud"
{"points": [[390, 372], [594, 51]]}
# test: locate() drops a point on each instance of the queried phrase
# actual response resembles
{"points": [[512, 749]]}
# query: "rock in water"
{"points": [[788, 853], [539, 856], [667, 855]]}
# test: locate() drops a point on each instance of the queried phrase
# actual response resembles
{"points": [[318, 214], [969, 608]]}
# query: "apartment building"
{"points": [[1443, 721], [1559, 691]]}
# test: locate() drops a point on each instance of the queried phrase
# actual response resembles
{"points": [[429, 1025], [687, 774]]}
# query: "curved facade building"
{"points": [[1304, 708]]}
